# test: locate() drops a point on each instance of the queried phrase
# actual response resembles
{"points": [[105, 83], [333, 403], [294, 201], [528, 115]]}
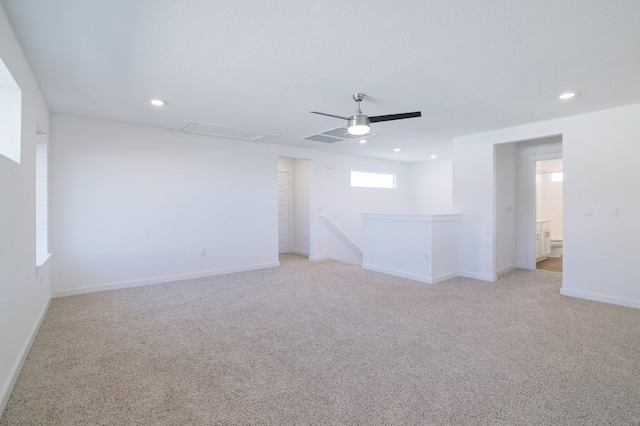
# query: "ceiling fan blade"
{"points": [[328, 115], [391, 117]]}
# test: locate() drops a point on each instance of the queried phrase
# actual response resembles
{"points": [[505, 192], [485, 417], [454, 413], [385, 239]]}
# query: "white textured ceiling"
{"points": [[468, 65]]}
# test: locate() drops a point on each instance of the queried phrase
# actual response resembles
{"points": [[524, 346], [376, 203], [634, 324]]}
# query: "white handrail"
{"points": [[340, 234]]}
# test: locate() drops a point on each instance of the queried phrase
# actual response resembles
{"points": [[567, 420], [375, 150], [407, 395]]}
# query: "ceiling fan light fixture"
{"points": [[359, 125]]}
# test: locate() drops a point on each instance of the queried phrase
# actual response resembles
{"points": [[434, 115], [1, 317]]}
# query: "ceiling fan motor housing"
{"points": [[359, 124]]}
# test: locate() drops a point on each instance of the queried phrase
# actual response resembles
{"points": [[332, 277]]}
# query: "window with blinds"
{"points": [[42, 203], [557, 177]]}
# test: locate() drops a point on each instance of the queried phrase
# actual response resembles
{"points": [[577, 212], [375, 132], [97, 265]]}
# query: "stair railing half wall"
{"points": [[341, 235]]}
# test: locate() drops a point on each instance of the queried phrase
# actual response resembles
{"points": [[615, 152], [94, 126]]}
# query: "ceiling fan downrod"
{"points": [[358, 97], [358, 124]]}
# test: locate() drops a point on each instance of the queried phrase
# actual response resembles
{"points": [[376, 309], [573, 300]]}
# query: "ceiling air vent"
{"points": [[321, 138], [216, 130], [336, 135]]}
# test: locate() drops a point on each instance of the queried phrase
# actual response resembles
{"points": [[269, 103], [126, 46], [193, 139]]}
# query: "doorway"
{"points": [[515, 200], [549, 186], [294, 183]]}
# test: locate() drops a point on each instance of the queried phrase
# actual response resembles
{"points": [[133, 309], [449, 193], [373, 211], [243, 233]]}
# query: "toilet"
{"points": [[556, 247]]}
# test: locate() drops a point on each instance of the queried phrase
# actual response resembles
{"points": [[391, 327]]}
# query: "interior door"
{"points": [[284, 195]]}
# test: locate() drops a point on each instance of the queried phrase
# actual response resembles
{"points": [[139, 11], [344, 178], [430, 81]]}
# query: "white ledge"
{"points": [[413, 217], [42, 259]]}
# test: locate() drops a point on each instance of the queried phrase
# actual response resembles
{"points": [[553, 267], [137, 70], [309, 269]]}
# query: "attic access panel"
{"points": [[216, 130]]}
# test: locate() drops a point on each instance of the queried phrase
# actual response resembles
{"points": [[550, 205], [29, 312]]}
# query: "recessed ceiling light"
{"points": [[157, 102], [433, 156], [363, 141], [396, 149], [567, 95]]}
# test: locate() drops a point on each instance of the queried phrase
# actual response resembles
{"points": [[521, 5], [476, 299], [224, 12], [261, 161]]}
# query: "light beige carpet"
{"points": [[317, 343]]}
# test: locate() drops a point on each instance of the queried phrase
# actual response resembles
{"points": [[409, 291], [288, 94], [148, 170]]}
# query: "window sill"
{"points": [[42, 259]]}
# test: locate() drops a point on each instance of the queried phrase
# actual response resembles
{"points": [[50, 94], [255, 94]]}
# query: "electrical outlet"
{"points": [[589, 212], [203, 253], [617, 212], [427, 257]]}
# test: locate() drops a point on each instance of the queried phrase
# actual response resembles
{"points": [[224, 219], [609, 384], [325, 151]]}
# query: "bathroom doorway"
{"points": [[548, 230]]}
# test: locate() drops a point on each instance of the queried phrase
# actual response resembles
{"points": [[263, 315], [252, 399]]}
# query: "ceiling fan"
{"points": [[358, 124]]}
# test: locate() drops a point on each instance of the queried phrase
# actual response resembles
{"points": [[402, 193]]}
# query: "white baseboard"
{"points": [[17, 366], [444, 277], [631, 303], [159, 280], [482, 277], [415, 277], [318, 257], [505, 270], [525, 266]]}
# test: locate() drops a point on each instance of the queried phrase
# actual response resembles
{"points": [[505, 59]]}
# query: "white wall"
{"points": [[24, 290], [431, 187], [506, 207], [473, 196], [134, 205], [606, 141]]}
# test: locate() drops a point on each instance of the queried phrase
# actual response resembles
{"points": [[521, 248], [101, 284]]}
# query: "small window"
{"points": [[10, 115], [373, 180], [557, 177]]}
